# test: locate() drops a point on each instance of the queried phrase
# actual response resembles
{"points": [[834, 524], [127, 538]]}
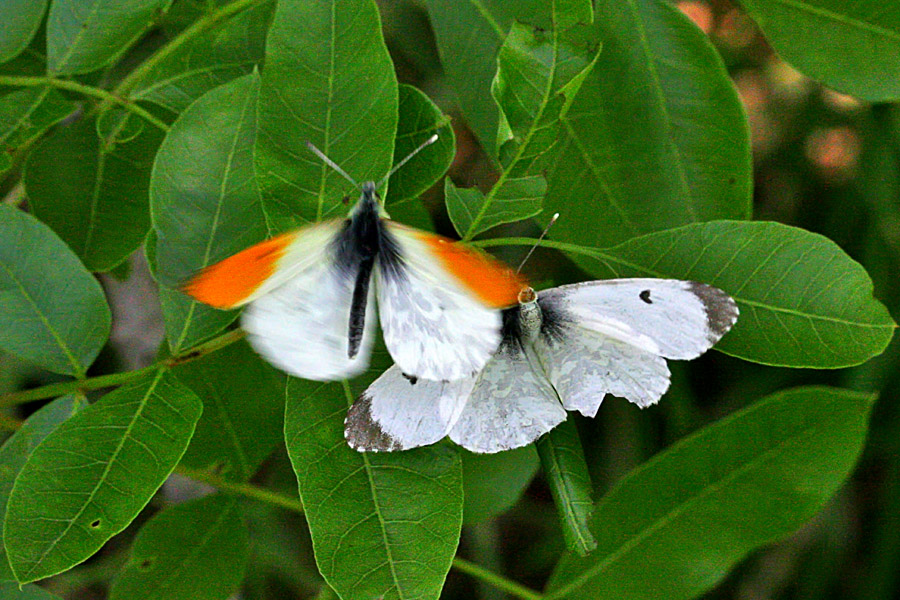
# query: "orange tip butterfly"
{"points": [[311, 307], [563, 349]]}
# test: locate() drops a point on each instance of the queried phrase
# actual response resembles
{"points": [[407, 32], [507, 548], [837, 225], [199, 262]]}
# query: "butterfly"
{"points": [[563, 349], [311, 297]]}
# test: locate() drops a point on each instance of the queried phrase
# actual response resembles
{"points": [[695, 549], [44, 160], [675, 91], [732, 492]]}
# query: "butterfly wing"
{"points": [[511, 404], [398, 412], [299, 302], [612, 336], [439, 303]]}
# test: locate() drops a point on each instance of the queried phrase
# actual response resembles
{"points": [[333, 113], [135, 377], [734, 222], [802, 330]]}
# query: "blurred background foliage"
{"points": [[823, 161]]}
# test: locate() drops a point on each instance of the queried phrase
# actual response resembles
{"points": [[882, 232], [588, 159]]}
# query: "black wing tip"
{"points": [[721, 309], [363, 433]]}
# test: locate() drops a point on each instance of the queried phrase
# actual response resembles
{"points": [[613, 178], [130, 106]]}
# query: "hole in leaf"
{"points": [[95, 524]]}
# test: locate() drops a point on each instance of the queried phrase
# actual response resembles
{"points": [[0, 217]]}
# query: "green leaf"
{"points": [[12, 591], [195, 550], [656, 136], [243, 411], [25, 115], [85, 35], [92, 191], [52, 311], [91, 476], [803, 301], [384, 524], [672, 528], [419, 118], [564, 466], [468, 36], [18, 448], [328, 80], [493, 483], [851, 46], [516, 199], [207, 61], [204, 202], [21, 19]]}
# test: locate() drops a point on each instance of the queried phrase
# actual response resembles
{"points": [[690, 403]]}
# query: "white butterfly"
{"points": [[563, 349], [311, 306]]}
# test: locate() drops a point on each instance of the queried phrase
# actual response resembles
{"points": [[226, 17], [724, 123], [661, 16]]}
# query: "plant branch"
{"points": [[242, 489], [498, 581], [87, 90], [115, 379], [199, 27]]}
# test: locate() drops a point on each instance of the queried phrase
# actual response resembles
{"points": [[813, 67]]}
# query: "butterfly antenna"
{"points": [[535, 245], [422, 146], [331, 163]]}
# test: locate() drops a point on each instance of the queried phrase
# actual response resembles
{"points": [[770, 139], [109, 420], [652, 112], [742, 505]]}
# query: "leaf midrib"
{"points": [[677, 511], [845, 19], [125, 436]]}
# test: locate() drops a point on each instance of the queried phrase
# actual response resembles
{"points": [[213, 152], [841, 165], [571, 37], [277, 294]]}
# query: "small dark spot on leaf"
{"points": [[146, 564], [732, 180], [346, 200], [412, 379], [95, 524], [645, 296]]}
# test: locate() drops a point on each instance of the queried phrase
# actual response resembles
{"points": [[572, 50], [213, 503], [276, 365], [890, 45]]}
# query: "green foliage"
{"points": [[182, 126], [673, 527], [839, 43], [52, 312], [195, 550]]}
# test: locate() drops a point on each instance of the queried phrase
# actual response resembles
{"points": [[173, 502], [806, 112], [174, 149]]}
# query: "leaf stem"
{"points": [[199, 27], [87, 90], [498, 581], [242, 489], [114, 379]]}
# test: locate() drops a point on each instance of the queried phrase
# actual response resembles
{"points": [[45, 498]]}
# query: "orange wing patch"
{"points": [[493, 282], [230, 282]]}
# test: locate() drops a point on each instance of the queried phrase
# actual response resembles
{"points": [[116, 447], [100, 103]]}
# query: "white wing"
{"points": [[670, 318], [511, 405], [302, 325], [398, 412], [435, 327], [584, 366]]}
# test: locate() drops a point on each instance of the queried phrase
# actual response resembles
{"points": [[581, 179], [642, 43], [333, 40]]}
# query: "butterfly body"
{"points": [[312, 296]]}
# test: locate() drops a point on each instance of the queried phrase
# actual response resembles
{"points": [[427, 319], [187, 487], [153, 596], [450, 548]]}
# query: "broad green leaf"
{"points": [[85, 35], [803, 301], [52, 311], [243, 411], [18, 448], [204, 202], [25, 115], [12, 591], [21, 19], [93, 191], [493, 483], [207, 60], [516, 199], [564, 466], [419, 119], [656, 136], [91, 476], [195, 550], [383, 525], [468, 36], [672, 528], [328, 80], [851, 46]]}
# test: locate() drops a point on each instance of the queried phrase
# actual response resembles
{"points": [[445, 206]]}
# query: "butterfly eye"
{"points": [[527, 295]]}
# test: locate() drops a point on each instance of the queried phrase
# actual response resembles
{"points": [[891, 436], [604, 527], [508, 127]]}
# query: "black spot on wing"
{"points": [[412, 379], [363, 433], [721, 310], [645, 296]]}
